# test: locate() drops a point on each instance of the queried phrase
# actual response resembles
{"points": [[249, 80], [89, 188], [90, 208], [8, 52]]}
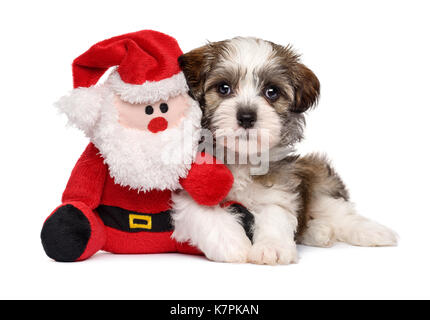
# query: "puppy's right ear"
{"points": [[195, 65]]}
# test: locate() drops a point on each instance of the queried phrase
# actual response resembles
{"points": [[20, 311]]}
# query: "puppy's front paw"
{"points": [[233, 248], [272, 253]]}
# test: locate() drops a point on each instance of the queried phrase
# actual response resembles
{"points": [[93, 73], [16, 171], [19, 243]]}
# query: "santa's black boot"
{"points": [[72, 233]]}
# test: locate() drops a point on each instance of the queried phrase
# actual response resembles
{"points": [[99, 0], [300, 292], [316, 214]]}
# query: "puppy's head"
{"points": [[246, 84]]}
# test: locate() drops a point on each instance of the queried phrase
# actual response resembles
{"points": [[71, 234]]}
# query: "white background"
{"points": [[372, 58]]}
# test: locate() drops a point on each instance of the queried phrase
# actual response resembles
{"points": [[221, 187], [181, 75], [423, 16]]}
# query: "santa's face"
{"points": [[154, 117], [148, 146], [145, 146]]}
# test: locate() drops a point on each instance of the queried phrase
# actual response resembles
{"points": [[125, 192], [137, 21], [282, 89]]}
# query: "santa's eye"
{"points": [[164, 107], [149, 110]]}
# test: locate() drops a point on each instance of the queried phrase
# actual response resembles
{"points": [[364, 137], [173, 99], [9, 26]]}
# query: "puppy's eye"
{"points": [[224, 89], [272, 93]]}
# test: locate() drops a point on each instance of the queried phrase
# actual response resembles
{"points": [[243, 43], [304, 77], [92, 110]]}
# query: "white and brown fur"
{"points": [[301, 199]]}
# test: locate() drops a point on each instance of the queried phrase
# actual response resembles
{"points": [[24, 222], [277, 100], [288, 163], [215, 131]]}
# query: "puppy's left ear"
{"points": [[307, 89]]}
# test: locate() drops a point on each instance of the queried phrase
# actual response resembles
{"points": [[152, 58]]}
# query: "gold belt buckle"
{"points": [[134, 225]]}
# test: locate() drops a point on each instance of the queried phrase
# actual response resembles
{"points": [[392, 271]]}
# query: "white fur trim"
{"points": [[82, 106], [150, 91]]}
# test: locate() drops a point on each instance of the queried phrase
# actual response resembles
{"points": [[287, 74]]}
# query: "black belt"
{"points": [[130, 221]]}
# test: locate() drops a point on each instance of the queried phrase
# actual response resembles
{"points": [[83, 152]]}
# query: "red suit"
{"points": [[97, 214]]}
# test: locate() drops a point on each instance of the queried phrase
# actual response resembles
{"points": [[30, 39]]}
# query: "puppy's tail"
{"points": [[335, 219]]}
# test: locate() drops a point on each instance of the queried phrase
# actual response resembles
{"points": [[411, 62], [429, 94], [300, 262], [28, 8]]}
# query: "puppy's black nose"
{"points": [[246, 118]]}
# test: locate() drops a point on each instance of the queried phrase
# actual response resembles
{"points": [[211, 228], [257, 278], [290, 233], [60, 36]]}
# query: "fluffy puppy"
{"points": [[247, 85]]}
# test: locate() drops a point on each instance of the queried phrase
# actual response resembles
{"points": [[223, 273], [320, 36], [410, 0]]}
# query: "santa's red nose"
{"points": [[157, 124]]}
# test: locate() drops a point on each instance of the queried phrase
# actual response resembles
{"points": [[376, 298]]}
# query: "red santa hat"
{"points": [[147, 66], [147, 71]]}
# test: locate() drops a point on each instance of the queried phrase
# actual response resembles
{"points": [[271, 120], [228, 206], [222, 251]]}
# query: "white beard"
{"points": [[142, 160]]}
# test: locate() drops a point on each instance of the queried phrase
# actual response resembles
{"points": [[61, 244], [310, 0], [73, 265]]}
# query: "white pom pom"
{"points": [[82, 106]]}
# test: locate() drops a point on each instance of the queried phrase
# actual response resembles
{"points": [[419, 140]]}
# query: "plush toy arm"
{"points": [[208, 181], [87, 179]]}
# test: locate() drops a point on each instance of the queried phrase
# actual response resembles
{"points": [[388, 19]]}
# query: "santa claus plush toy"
{"points": [[144, 131]]}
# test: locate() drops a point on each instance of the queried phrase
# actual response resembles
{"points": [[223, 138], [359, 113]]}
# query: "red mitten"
{"points": [[208, 181]]}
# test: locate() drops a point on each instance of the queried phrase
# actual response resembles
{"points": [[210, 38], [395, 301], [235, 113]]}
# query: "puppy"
{"points": [[247, 85]]}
